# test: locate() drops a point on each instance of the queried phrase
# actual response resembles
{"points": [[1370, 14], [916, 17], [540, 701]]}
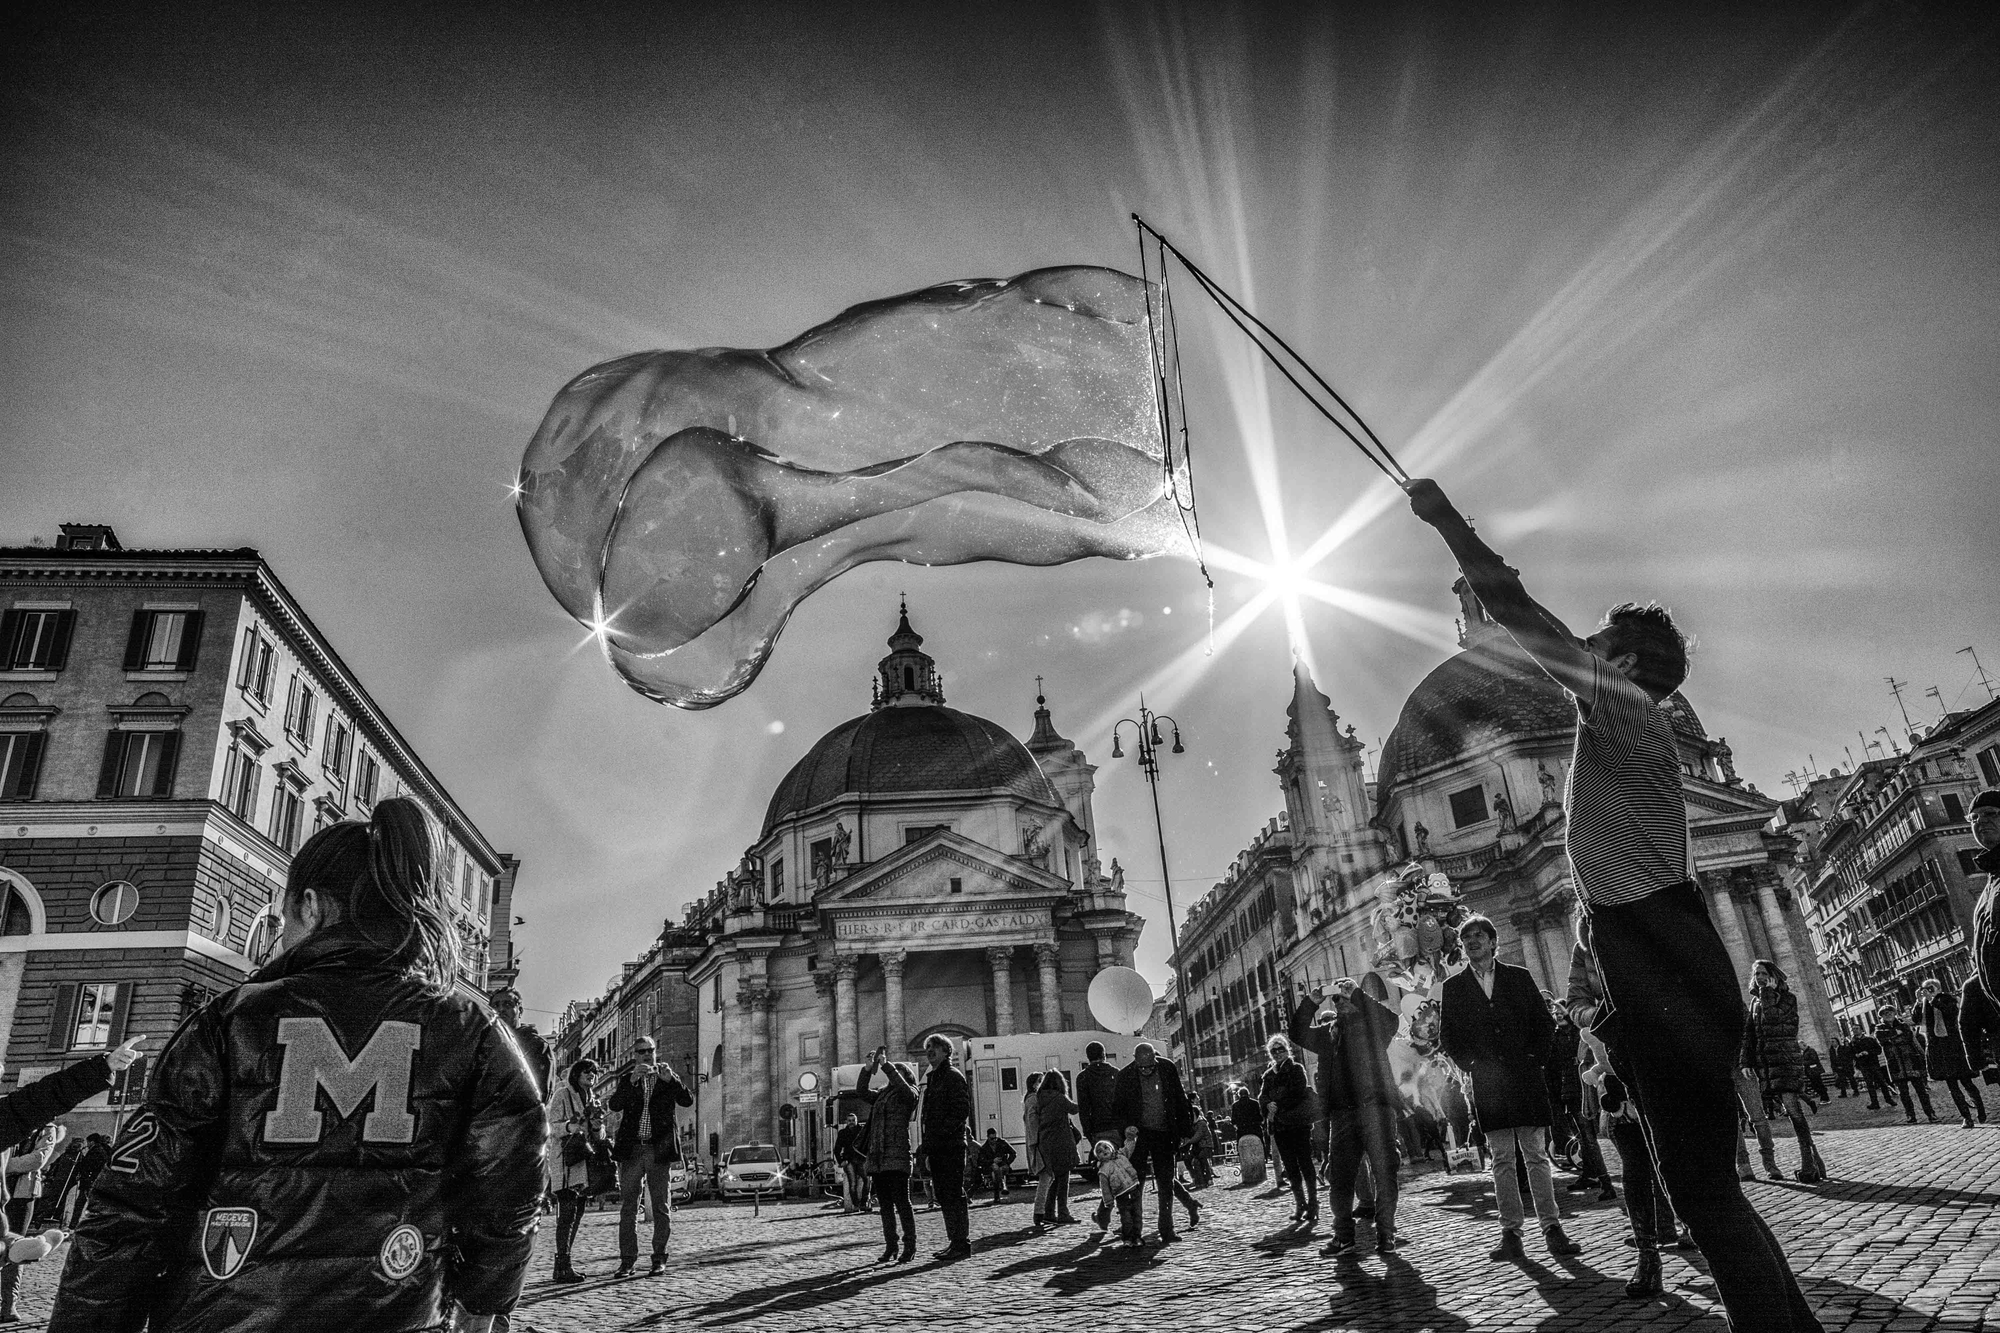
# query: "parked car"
{"points": [[751, 1168], [680, 1182]]}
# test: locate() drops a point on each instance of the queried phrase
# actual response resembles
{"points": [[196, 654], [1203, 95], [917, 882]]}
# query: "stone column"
{"points": [[1788, 961], [760, 1107], [894, 1036], [1531, 947], [1722, 906], [829, 1041], [1001, 957], [1048, 959], [774, 1062], [846, 1019]]}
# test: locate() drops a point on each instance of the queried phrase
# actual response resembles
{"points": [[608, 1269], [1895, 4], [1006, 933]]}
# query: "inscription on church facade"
{"points": [[984, 923]]}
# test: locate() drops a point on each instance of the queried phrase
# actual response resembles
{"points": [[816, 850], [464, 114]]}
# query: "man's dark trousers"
{"points": [[646, 1165], [1355, 1134], [1156, 1150], [1678, 1019], [947, 1164]]}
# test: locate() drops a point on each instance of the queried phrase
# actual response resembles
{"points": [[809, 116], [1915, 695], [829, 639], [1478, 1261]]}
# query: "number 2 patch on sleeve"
{"points": [[140, 1131]]}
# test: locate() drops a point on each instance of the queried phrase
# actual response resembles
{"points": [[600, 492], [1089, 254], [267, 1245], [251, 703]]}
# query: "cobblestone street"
{"points": [[1905, 1238]]}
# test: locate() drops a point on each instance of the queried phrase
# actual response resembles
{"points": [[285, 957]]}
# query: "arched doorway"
{"points": [[21, 915]]}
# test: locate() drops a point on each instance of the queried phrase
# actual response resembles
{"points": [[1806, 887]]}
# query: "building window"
{"points": [[918, 832], [715, 998], [287, 810], [263, 937], [89, 1016], [15, 916], [241, 775], [777, 876], [35, 640], [1468, 807], [337, 750], [114, 903], [259, 665], [1989, 765], [1954, 809], [822, 860], [957, 884], [809, 1048], [299, 705], [20, 763], [225, 919], [163, 641], [367, 778], [139, 763]]}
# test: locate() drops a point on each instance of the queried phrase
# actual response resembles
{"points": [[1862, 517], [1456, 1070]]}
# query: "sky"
{"points": [[1695, 304]]}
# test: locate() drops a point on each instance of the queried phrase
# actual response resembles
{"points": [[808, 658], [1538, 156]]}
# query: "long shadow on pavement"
{"points": [[1398, 1299], [803, 1293], [1915, 1196]]}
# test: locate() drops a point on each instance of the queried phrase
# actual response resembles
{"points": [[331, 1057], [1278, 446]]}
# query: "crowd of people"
{"points": [[347, 1139]]}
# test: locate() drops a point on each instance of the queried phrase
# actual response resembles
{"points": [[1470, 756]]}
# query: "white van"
{"points": [[998, 1069]]}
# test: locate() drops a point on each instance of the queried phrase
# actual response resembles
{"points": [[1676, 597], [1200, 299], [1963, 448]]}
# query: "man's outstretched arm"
{"points": [[1499, 589]]}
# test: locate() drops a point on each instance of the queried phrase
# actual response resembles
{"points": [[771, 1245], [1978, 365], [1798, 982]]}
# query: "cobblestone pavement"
{"points": [[1906, 1237]]}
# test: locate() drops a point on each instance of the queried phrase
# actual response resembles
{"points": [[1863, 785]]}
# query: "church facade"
{"points": [[918, 871]]}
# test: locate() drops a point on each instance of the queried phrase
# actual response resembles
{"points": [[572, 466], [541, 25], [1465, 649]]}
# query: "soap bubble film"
{"points": [[683, 503]]}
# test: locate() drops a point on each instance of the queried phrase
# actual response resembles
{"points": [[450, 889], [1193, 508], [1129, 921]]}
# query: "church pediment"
{"points": [[1709, 800], [924, 871]]}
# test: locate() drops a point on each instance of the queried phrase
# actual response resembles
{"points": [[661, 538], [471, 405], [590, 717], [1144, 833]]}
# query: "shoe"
{"points": [[1646, 1282], [563, 1273], [1386, 1241], [659, 1266], [624, 1270], [951, 1254], [1582, 1183], [1558, 1242], [1965, 1122], [888, 1254], [1930, 1117], [1169, 1237], [909, 1251], [1607, 1194], [1194, 1215], [1040, 1222], [1343, 1246], [1509, 1248], [1745, 1171], [1771, 1170]]}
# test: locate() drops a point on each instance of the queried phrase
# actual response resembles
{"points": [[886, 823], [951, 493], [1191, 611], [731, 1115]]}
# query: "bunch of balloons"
{"points": [[1414, 931]]}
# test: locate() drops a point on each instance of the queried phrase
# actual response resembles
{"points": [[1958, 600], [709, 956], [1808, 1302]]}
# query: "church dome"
{"points": [[1490, 690], [911, 743], [908, 750]]}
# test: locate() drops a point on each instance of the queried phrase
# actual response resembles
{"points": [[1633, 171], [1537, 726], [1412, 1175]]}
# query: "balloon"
{"points": [[1120, 999], [1411, 1003]]}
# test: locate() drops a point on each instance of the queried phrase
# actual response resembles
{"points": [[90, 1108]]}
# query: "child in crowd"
{"points": [[1118, 1182]]}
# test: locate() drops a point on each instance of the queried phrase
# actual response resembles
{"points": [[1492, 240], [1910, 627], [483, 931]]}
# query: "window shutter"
{"points": [[114, 760], [170, 753], [246, 675], [190, 642], [62, 1018], [10, 635], [135, 644], [31, 767], [59, 646], [121, 1010], [250, 801]]}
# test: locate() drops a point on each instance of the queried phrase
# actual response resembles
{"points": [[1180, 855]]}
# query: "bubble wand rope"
{"points": [[1238, 313], [1163, 340]]}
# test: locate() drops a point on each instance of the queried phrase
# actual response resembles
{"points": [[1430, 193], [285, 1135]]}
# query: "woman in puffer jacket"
{"points": [[345, 1141], [576, 1136], [888, 1158], [1771, 1054], [1903, 1058]]}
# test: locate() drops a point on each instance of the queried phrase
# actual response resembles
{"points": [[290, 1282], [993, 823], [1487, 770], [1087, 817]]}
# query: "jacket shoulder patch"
{"points": [[402, 1251], [226, 1237]]}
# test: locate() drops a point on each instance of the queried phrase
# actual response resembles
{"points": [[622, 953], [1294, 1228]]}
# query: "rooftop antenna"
{"points": [[1934, 693], [1896, 687], [1983, 678], [1851, 765], [1893, 747], [1798, 788]]}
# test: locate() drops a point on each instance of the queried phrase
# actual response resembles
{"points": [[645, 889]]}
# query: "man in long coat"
{"points": [[1496, 1028]]}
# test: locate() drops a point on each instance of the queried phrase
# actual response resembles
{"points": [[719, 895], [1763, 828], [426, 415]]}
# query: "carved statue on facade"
{"points": [[1504, 810], [842, 841], [1423, 840], [1548, 783], [1117, 876]]}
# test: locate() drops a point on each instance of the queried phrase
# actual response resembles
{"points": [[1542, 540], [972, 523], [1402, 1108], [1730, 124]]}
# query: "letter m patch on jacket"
{"points": [[314, 1060]]}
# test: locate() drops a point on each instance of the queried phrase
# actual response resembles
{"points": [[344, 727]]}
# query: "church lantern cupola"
{"points": [[908, 676]]}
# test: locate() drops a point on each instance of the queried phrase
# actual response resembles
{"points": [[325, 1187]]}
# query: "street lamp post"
{"points": [[1147, 728]]}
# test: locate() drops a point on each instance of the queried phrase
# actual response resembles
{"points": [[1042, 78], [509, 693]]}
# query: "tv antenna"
{"points": [[1896, 687], [1983, 678]]}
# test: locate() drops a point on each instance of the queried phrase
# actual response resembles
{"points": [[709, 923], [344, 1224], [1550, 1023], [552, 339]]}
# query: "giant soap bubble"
{"points": [[682, 503]]}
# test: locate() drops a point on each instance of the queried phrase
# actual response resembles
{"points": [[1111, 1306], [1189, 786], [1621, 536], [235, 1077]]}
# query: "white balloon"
{"points": [[1121, 1000]]}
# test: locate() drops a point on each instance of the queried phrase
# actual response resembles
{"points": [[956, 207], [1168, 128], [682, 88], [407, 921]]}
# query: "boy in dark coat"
{"points": [[1358, 1093], [1496, 1028]]}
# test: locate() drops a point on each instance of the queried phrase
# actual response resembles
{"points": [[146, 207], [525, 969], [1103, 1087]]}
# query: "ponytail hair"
{"points": [[379, 879]]}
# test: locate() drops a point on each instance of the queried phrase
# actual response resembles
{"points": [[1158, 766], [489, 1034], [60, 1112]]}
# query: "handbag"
{"points": [[575, 1148], [602, 1176]]}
